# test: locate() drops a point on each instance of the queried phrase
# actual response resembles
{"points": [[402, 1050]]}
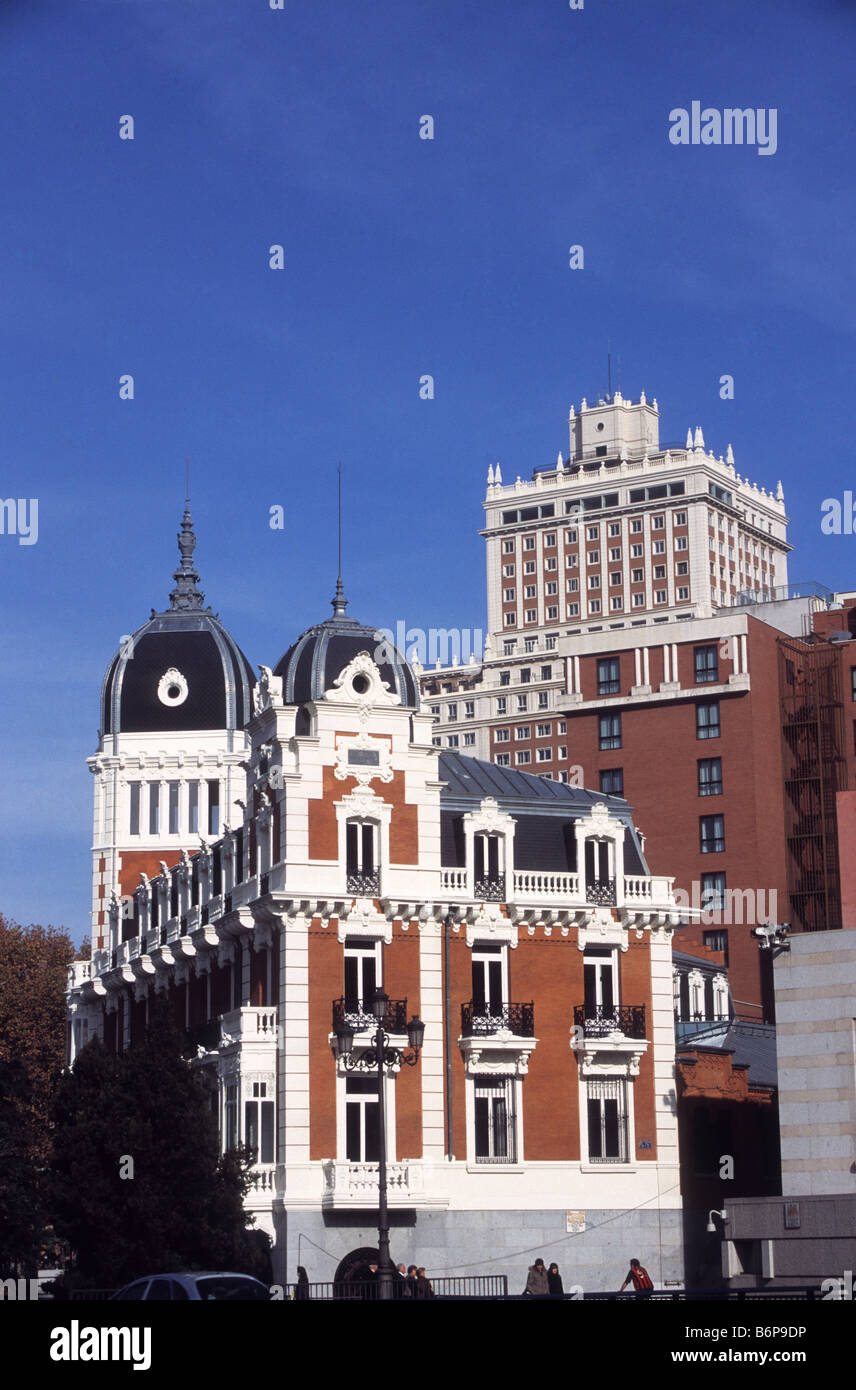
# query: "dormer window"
{"points": [[489, 866]]}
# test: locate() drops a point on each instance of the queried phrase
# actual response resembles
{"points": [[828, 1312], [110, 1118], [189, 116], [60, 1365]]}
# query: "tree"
{"points": [[20, 1190], [138, 1183], [34, 963]]}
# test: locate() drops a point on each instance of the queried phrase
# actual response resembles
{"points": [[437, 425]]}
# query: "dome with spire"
{"points": [[312, 664], [181, 670]]}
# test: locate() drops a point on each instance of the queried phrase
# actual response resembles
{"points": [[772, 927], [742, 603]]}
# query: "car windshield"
{"points": [[230, 1286], [133, 1291]]}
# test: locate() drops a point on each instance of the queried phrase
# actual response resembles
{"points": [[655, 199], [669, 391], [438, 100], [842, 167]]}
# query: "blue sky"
{"points": [[402, 257]]}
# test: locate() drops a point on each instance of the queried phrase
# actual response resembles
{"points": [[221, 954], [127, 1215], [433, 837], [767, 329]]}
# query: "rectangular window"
{"points": [[501, 735], [214, 808], [616, 603], [543, 699], [607, 1120], [452, 711], [572, 586], [505, 678], [636, 524], [526, 671], [231, 1118], [522, 704], [594, 581], [193, 808], [508, 571], [608, 681], [659, 571], [529, 543], [501, 704], [712, 834], [551, 563], [523, 757], [716, 940], [529, 591], [612, 781], [707, 720], [680, 543], [572, 562], [546, 673], [638, 600], [594, 606], [680, 518], [173, 808], [552, 614], [508, 547], [154, 808], [531, 615], [572, 610], [508, 647], [509, 595], [592, 533], [636, 551], [659, 547], [469, 709], [543, 730], [637, 576], [659, 595], [853, 682], [713, 891], [706, 664], [545, 755], [551, 588], [682, 567], [710, 777], [469, 740], [494, 1119], [134, 789], [523, 731], [609, 728], [362, 1134], [452, 741], [657, 523], [550, 538], [615, 552], [502, 759], [529, 567], [570, 537], [511, 620], [615, 578]]}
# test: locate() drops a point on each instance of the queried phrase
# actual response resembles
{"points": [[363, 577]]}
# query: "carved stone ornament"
{"points": [[372, 760], [172, 688], [268, 691], [360, 684]]}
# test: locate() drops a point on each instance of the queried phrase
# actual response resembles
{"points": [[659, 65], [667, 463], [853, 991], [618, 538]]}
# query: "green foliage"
{"points": [[146, 1113], [20, 1188]]}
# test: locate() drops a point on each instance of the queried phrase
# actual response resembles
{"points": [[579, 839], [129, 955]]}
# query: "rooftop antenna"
{"points": [[340, 603], [608, 372], [187, 478]]}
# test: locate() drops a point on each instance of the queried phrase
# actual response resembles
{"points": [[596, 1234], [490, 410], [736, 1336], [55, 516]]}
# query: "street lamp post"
{"points": [[380, 1057]]}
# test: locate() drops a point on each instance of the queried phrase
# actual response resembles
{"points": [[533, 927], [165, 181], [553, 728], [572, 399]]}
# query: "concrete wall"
{"points": [[815, 984]]}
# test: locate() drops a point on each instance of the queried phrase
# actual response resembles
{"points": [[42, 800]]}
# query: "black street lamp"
{"points": [[380, 1057]]}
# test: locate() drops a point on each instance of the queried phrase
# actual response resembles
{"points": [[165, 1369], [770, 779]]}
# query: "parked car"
{"points": [[204, 1287]]}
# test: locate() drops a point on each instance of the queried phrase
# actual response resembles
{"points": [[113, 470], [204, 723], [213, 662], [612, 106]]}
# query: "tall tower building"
{"points": [[626, 529], [174, 703]]}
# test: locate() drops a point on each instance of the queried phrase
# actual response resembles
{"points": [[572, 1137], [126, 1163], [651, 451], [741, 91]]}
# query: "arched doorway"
{"points": [[354, 1277]]}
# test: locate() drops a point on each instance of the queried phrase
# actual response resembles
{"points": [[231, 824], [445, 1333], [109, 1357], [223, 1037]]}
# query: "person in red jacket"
{"points": [[643, 1284]]}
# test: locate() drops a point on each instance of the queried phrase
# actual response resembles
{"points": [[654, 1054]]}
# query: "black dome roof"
{"points": [[181, 669], [320, 654]]}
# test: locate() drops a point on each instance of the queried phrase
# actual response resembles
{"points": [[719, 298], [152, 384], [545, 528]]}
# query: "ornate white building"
{"points": [[516, 916]]}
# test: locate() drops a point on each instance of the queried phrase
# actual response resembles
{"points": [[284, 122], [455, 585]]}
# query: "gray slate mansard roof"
{"points": [[542, 808]]}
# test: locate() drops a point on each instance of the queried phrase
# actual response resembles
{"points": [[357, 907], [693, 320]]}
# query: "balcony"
{"points": [[601, 892], [364, 885], [596, 1021], [357, 1014], [245, 1026], [348, 1184], [481, 1020], [490, 890]]}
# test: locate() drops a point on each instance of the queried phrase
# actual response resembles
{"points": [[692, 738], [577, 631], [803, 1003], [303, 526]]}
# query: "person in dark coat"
{"points": [[301, 1288], [423, 1284], [537, 1284], [410, 1282], [554, 1281]]}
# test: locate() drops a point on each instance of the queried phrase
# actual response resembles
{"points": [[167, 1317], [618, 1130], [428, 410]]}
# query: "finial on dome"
{"points": [[339, 601], [186, 594]]}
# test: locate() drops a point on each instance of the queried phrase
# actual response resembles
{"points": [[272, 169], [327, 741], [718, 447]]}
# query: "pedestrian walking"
{"points": [[643, 1284], [410, 1281], [554, 1281], [301, 1288], [537, 1283], [424, 1287]]}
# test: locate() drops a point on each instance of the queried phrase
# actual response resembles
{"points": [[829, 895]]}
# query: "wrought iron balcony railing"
{"points": [[479, 1019], [358, 1014], [597, 1021], [490, 890], [364, 885], [601, 892]]}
